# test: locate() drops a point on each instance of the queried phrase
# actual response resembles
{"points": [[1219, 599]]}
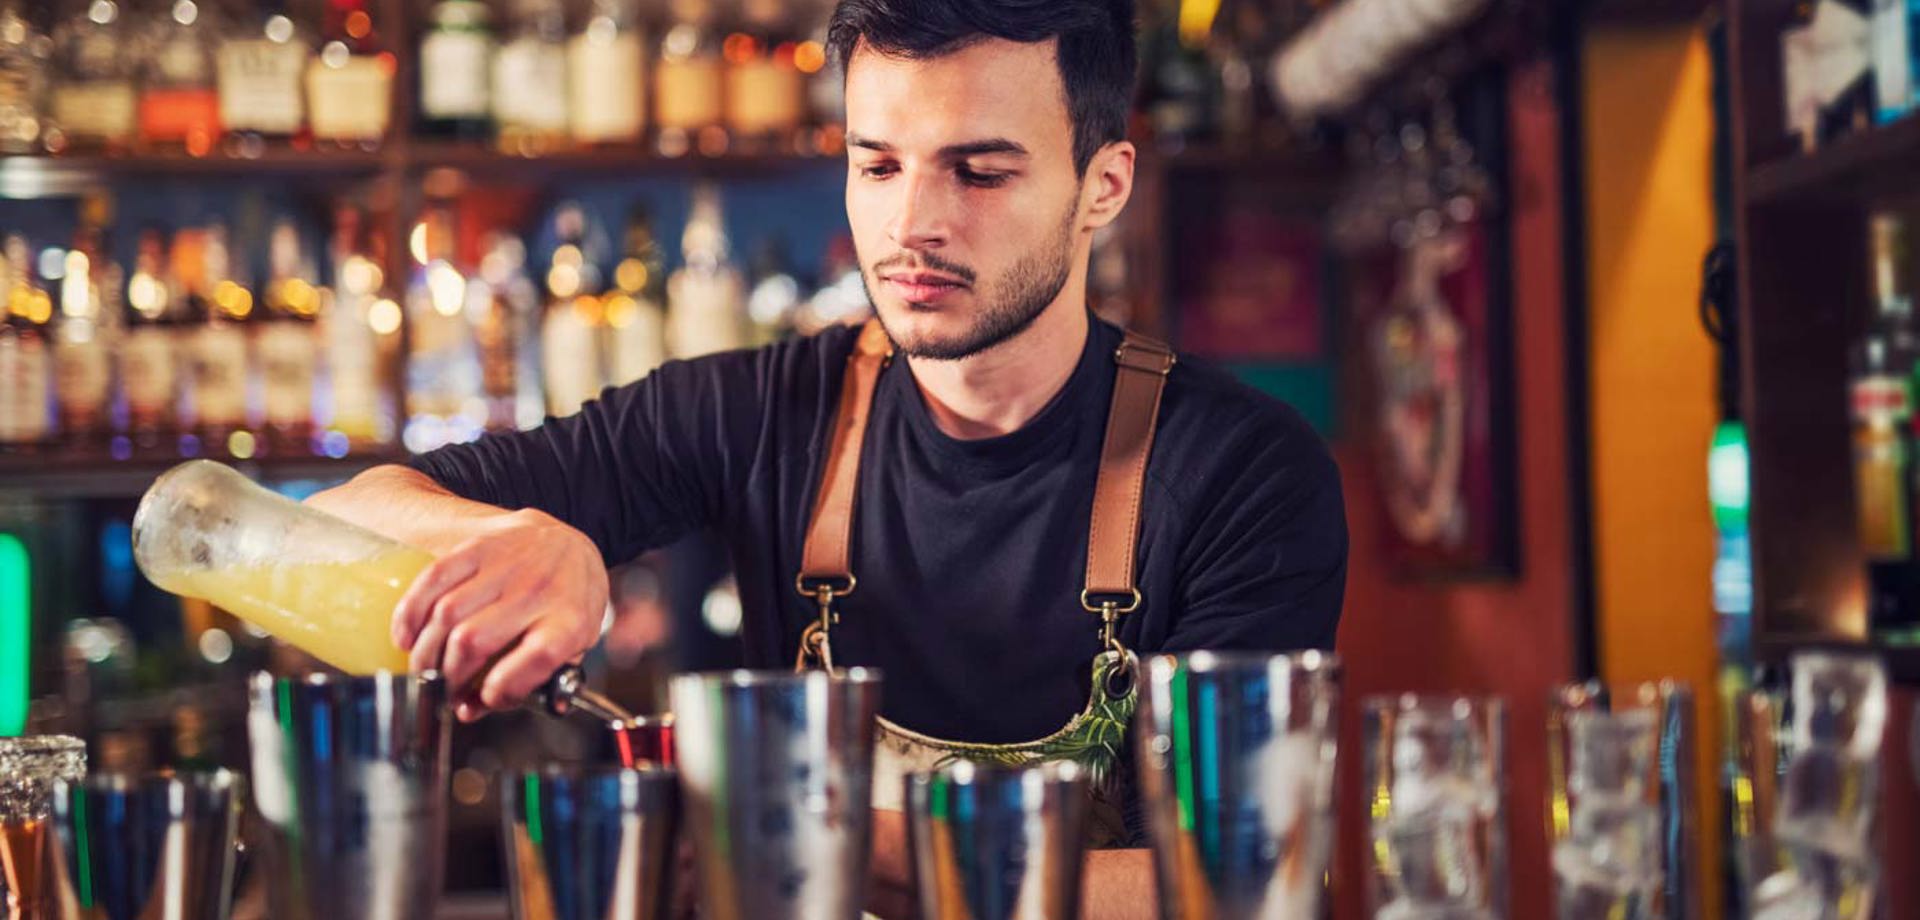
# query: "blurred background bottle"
{"points": [[636, 308], [570, 327], [456, 72], [444, 399], [286, 342], [86, 335], [690, 82], [221, 358], [26, 373], [766, 93], [25, 55], [706, 298], [606, 69], [350, 82], [150, 355], [262, 68], [179, 91], [530, 92], [95, 97]]}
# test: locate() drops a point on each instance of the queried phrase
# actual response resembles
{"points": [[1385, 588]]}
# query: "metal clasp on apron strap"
{"points": [[814, 647]]}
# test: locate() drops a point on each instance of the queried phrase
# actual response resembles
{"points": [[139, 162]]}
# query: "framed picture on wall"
{"points": [[1433, 321]]}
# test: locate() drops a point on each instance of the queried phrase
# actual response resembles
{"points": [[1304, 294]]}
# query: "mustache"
{"points": [[915, 260]]}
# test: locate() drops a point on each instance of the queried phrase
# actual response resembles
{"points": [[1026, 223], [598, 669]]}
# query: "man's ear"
{"points": [[1107, 185]]}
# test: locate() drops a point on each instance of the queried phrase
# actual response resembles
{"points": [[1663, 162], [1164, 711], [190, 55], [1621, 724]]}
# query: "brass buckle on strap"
{"points": [[823, 591], [1144, 358], [1110, 612]]}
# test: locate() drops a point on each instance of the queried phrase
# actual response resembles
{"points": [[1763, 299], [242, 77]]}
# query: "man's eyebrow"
{"points": [[960, 151]]}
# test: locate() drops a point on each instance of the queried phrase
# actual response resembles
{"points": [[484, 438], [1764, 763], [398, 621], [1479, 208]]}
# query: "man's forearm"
{"points": [[406, 505]]}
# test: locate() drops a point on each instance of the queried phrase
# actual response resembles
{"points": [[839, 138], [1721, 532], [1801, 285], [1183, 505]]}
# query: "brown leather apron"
{"points": [[1091, 738]]}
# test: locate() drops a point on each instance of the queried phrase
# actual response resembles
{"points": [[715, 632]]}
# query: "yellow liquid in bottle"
{"points": [[338, 612]]}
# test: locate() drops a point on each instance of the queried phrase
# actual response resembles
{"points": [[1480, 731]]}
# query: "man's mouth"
{"points": [[922, 287]]}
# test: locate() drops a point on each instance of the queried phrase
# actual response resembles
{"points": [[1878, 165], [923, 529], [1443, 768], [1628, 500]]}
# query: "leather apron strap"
{"points": [[826, 562]]}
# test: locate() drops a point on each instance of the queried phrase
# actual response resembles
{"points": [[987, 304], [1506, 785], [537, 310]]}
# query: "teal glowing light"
{"points": [[16, 633], [1727, 475]]}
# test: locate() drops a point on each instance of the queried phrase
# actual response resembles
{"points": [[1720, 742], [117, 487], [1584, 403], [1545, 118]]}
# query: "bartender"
{"points": [[988, 494]]}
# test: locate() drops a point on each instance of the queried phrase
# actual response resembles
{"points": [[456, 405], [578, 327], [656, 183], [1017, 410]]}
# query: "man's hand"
{"points": [[521, 596]]}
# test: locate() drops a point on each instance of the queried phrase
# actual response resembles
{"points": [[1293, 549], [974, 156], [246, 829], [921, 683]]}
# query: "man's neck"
{"points": [[1000, 390]]}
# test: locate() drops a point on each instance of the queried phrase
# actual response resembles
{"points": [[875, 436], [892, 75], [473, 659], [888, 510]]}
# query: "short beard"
{"points": [[1012, 305]]}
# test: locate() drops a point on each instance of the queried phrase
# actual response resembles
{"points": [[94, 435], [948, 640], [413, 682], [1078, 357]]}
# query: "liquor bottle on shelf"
{"points": [[706, 298], [1896, 58], [570, 328], [510, 342], [826, 96], [456, 72], [1178, 85], [530, 99], [1828, 71], [689, 83], [151, 354], [26, 414], [179, 92], [25, 59], [765, 101], [220, 356], [444, 400], [84, 341], [262, 69], [636, 310], [286, 344], [493, 328], [357, 392], [95, 99], [607, 55], [1882, 393], [350, 82], [773, 302]]}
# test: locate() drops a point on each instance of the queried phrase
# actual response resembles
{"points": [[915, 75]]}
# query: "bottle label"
{"points": [[220, 376], [690, 92], [24, 378], [260, 85], [83, 381], [612, 65], [288, 354], [351, 101], [454, 77], [180, 114], [147, 371], [763, 95], [1882, 408], [529, 81], [705, 313], [96, 110]]}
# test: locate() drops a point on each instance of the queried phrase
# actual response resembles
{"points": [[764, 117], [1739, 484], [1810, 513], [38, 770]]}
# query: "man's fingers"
{"points": [[463, 602], [474, 642], [541, 651], [410, 615]]}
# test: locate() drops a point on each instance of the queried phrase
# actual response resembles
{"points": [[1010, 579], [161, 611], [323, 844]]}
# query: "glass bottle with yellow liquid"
{"points": [[308, 578], [312, 580]]}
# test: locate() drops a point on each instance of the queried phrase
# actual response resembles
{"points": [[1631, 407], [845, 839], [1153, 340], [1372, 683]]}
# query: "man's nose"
{"points": [[923, 219]]}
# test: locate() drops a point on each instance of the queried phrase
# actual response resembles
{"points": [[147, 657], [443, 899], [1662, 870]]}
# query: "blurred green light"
{"points": [[16, 625], [1727, 475]]}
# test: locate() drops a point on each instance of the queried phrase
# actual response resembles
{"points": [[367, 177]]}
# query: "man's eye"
{"points": [[877, 170], [982, 179]]}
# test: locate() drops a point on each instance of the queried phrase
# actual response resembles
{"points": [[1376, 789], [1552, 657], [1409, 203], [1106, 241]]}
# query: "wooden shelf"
{"points": [[483, 160], [1882, 164], [56, 476]]}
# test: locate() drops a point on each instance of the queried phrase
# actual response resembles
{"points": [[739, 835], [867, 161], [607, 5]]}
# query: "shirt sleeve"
{"points": [[1265, 568], [638, 468]]}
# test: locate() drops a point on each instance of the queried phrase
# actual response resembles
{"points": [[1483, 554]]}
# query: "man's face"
{"points": [[961, 192]]}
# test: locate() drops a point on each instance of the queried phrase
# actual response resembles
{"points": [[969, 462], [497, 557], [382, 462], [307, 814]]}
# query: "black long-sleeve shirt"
{"points": [[970, 554]]}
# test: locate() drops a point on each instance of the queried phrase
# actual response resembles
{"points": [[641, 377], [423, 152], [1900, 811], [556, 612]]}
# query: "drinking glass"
{"points": [[29, 768], [1434, 767]]}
